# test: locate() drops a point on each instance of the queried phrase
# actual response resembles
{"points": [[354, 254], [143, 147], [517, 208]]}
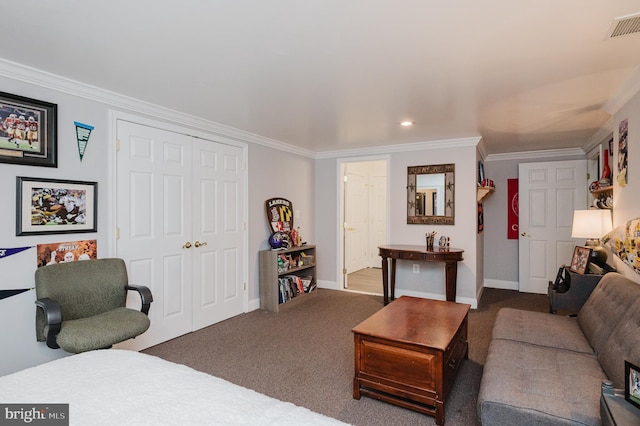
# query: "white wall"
{"points": [[430, 281], [504, 273], [272, 172], [626, 203]]}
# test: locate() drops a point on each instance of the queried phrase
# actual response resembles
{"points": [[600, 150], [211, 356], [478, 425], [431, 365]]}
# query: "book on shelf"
{"points": [[290, 286]]}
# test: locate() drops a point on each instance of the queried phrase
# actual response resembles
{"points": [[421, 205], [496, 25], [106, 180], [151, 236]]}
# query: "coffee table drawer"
{"points": [[402, 366]]}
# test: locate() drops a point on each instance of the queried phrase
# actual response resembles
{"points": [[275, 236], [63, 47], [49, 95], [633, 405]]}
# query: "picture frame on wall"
{"points": [[28, 131], [53, 206], [580, 260], [632, 383]]}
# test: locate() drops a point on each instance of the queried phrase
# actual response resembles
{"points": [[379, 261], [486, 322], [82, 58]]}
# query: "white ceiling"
{"points": [[327, 75]]}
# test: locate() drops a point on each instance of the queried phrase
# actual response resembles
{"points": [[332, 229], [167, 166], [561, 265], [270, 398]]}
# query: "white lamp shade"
{"points": [[591, 223]]}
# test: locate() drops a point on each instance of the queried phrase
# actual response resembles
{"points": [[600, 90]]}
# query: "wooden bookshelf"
{"points": [[271, 272]]}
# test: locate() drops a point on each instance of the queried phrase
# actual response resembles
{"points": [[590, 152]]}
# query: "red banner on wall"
{"points": [[512, 203]]}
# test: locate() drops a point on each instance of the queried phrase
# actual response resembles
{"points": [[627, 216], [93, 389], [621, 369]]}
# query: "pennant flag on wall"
{"points": [[8, 293], [83, 131], [6, 252]]}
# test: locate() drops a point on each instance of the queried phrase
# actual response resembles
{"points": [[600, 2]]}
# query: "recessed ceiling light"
{"points": [[407, 123]]}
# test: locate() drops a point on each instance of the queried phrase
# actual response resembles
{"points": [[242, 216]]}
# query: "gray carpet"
{"points": [[304, 354]]}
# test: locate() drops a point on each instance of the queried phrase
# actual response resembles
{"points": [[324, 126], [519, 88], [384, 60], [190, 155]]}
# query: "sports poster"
{"points": [[49, 254]]}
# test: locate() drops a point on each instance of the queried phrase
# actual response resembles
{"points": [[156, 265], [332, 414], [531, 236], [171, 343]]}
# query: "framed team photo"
{"points": [[51, 206], [632, 383], [28, 131]]}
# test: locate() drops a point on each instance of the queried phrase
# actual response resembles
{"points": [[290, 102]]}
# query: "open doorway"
{"points": [[364, 215]]}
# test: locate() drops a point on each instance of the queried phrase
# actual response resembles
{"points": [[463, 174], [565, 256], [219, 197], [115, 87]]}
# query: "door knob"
{"points": [[187, 245], [525, 234], [200, 244]]}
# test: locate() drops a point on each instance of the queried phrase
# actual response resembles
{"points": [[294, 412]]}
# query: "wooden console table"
{"points": [[450, 257]]}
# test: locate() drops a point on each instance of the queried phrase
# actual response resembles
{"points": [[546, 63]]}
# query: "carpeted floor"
{"points": [[304, 354]]}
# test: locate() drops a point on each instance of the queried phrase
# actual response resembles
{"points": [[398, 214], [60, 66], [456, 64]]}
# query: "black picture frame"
{"points": [[632, 384], [54, 206], [580, 260], [28, 131]]}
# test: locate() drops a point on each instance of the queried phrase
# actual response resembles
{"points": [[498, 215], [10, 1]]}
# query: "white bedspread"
{"points": [[110, 387]]}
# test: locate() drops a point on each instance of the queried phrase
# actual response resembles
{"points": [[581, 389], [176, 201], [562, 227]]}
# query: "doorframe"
{"points": [[182, 128], [340, 210]]}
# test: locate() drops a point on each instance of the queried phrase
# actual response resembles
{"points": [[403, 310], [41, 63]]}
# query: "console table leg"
{"points": [[392, 292], [451, 273], [385, 279]]}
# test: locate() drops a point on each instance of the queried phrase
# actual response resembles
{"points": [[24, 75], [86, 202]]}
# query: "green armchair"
{"points": [[81, 305]]}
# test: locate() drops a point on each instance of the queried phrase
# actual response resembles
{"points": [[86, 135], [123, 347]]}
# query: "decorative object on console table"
{"points": [[592, 224], [286, 276]]}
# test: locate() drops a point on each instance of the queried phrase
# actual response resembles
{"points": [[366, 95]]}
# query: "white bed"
{"points": [[122, 387]]}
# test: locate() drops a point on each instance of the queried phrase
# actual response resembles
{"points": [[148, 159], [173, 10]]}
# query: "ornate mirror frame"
{"points": [[448, 217]]}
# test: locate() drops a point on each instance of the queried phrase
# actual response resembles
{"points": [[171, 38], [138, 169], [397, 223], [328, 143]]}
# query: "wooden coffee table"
{"points": [[408, 353]]}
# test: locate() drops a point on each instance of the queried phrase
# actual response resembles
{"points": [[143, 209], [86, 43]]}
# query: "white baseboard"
{"points": [[331, 285], [424, 295], [254, 304], [505, 285]]}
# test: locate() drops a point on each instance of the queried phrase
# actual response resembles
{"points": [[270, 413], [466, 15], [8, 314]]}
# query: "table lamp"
{"points": [[592, 224]]}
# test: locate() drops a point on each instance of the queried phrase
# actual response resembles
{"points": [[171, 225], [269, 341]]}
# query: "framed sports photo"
{"points": [[580, 260], [28, 131], [632, 383], [51, 206]]}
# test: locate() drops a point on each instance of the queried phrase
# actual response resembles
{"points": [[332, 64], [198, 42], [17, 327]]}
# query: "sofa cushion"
{"points": [[607, 305], [622, 345], [539, 328], [524, 384]]}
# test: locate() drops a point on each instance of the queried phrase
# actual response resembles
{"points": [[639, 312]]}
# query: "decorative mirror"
{"points": [[430, 194]]}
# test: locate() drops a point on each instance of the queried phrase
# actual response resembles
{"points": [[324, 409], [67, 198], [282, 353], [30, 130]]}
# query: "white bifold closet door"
{"points": [[180, 227]]}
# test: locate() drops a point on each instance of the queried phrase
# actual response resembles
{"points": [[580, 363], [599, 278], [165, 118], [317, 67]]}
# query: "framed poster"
{"points": [[28, 131], [51, 206]]}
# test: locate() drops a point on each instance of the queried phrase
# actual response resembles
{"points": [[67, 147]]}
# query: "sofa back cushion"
{"points": [[623, 345], [606, 307]]}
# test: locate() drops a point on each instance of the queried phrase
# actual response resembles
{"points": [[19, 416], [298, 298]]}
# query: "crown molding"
{"points": [[58, 83], [547, 153], [406, 147]]}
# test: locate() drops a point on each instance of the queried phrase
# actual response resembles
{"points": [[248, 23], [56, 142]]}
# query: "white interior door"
{"points": [[218, 236], [549, 192], [180, 206], [154, 222], [356, 218]]}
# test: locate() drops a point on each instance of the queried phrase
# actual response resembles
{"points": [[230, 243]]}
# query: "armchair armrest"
{"points": [[145, 296], [52, 318]]}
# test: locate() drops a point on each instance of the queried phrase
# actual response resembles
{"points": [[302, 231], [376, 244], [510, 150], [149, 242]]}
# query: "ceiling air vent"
{"points": [[624, 25]]}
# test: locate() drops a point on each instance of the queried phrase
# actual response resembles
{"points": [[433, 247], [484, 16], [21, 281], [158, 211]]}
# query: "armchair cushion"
{"points": [[102, 330]]}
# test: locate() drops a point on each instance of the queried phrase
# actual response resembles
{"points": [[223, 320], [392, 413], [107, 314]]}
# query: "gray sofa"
{"points": [[547, 369]]}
